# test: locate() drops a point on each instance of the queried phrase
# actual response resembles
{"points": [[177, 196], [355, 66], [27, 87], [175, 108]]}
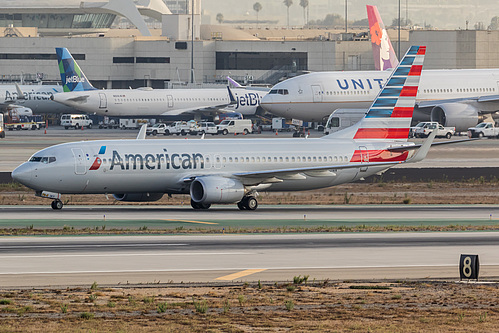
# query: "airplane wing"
{"points": [[212, 109], [79, 99], [479, 99]]}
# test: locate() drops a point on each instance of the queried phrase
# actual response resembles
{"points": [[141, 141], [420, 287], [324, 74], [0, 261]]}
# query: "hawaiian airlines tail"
{"points": [[72, 77], [383, 53], [389, 117]]}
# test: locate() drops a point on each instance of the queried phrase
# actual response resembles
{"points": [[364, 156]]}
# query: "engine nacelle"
{"points": [[458, 115], [215, 189], [138, 197]]}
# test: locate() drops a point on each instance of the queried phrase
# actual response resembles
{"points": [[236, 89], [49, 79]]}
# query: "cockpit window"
{"points": [[46, 160], [279, 91]]}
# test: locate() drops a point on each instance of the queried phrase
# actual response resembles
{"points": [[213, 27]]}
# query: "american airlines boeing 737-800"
{"points": [[458, 98], [147, 102], [233, 171]]}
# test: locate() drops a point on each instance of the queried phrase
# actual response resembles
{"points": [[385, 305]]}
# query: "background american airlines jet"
{"points": [[147, 102], [232, 172], [459, 98]]}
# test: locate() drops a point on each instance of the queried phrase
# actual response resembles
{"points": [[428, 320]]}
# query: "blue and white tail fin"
{"points": [[72, 77], [390, 115]]}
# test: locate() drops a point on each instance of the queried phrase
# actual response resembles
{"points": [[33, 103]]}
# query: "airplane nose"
{"points": [[23, 174], [266, 101]]}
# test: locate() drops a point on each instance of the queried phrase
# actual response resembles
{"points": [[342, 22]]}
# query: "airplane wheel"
{"points": [[240, 205], [251, 203], [194, 204], [204, 206], [57, 205]]}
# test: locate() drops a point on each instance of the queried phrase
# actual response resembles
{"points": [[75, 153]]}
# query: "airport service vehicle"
{"points": [[132, 123], [423, 130], [2, 128], [76, 121], [280, 124], [235, 126], [156, 129], [233, 171], [485, 129], [207, 127], [343, 118], [459, 98], [147, 102], [22, 118], [108, 123]]}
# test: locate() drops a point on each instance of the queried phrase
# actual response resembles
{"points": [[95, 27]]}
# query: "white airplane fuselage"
{"points": [[314, 96], [159, 102], [164, 166], [36, 97]]}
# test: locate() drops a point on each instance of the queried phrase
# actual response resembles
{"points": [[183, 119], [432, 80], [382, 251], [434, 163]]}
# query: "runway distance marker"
{"points": [[240, 274]]}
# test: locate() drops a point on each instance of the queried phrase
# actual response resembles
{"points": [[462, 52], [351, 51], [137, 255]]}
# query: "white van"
{"points": [[235, 126], [76, 120]]}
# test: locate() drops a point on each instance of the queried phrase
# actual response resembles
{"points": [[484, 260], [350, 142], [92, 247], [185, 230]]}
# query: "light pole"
{"points": [[399, 34], [346, 16], [192, 41]]}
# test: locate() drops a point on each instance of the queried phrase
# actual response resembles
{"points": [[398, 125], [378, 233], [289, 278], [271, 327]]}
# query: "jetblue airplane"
{"points": [[459, 98], [233, 172], [147, 102]]}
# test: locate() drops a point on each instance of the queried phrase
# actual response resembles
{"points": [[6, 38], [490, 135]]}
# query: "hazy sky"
{"points": [[443, 14]]}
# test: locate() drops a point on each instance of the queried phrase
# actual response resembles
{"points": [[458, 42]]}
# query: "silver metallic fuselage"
{"points": [[165, 166]]}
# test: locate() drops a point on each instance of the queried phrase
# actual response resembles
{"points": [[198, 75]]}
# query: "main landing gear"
{"points": [[248, 203], [57, 204], [199, 205]]}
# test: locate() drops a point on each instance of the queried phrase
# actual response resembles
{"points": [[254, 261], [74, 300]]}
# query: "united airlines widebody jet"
{"points": [[235, 170], [147, 102], [458, 98]]}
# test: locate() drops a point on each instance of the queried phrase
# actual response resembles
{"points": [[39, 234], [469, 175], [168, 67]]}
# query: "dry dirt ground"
{"points": [[476, 191], [300, 306]]}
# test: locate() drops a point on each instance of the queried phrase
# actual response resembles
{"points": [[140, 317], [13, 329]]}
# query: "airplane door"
{"points": [[80, 167], [103, 101], [364, 157], [317, 92], [169, 100]]}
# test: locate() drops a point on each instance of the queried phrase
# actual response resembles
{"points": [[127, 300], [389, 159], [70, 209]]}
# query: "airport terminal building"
{"points": [[157, 52]]}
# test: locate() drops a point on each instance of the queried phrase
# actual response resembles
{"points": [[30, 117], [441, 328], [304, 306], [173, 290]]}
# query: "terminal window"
{"points": [[261, 60]]}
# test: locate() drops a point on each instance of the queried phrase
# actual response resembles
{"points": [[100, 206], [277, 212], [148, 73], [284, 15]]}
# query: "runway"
{"points": [[228, 216], [116, 260]]}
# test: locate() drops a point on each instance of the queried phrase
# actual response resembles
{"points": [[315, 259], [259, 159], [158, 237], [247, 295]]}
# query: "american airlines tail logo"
{"points": [[74, 79]]}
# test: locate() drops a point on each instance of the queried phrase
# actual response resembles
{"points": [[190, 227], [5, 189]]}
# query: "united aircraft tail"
{"points": [[383, 53], [389, 117], [72, 77]]}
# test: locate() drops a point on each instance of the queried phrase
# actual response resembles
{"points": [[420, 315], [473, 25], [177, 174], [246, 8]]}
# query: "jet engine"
{"points": [[458, 115], [138, 197], [215, 189]]}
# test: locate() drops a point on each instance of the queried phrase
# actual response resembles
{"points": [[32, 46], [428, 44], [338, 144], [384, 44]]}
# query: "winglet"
{"points": [[231, 97], [423, 151], [20, 94], [142, 132], [233, 82]]}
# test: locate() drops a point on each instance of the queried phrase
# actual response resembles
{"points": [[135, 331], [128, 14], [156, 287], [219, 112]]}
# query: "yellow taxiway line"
{"points": [[240, 274], [200, 222]]}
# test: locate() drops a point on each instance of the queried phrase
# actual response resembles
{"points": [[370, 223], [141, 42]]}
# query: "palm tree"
{"points": [[288, 4], [220, 18], [257, 7], [304, 4]]}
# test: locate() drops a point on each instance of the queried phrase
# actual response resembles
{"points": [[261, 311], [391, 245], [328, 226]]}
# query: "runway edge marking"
{"points": [[188, 221], [240, 274]]}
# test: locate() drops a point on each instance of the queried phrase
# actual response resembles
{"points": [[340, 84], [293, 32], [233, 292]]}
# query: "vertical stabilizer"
{"points": [[383, 52], [72, 77], [390, 115]]}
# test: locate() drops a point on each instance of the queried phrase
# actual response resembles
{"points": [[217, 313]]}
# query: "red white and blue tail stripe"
{"points": [[390, 115]]}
